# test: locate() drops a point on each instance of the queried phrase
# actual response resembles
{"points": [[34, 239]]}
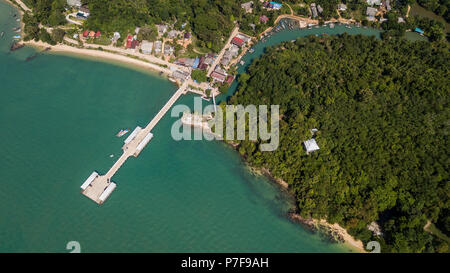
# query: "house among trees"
{"points": [[74, 3], [371, 12], [168, 49], [311, 145], [319, 9], [387, 4], [248, 6], [314, 10], [158, 47], [146, 47], [85, 11], [263, 19], [116, 36], [342, 7], [374, 2], [172, 34], [132, 43], [162, 29]]}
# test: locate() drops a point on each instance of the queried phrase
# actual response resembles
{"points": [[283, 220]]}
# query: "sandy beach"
{"points": [[348, 240], [341, 232], [98, 54]]}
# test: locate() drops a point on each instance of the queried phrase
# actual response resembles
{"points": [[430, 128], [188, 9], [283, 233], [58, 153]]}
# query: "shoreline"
{"points": [[100, 55], [334, 232], [128, 62]]}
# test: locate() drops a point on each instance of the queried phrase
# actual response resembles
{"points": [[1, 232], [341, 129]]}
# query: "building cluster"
{"points": [[376, 7], [220, 75], [83, 11], [237, 43], [247, 6], [316, 10], [202, 63], [158, 47], [272, 5], [91, 34]]}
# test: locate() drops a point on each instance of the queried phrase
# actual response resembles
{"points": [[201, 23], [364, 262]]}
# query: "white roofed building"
{"points": [[374, 2], [311, 145], [342, 7], [74, 3], [146, 47]]}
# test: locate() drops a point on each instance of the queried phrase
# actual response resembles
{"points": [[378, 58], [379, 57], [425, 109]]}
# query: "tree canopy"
{"points": [[381, 108]]}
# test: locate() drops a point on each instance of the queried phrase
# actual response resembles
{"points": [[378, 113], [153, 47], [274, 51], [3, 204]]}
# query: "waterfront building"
{"points": [[158, 47], [311, 145], [218, 77], [237, 41], [146, 47], [116, 36], [371, 12], [314, 10]]}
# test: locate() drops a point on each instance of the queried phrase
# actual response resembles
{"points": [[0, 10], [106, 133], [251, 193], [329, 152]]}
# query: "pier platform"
{"points": [[99, 187]]}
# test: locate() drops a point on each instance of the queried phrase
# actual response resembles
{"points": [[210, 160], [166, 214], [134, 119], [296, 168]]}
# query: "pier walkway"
{"points": [[97, 187]]}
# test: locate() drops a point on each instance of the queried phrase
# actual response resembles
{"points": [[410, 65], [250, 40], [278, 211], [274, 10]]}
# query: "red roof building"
{"points": [[237, 41], [98, 34], [218, 76], [264, 19], [230, 79], [91, 34], [134, 44], [85, 33], [129, 39]]}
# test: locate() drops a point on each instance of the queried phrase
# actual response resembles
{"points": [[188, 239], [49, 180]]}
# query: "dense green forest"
{"points": [[381, 108], [209, 20], [440, 7]]}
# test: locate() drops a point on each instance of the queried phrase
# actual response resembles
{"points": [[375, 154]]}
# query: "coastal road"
{"points": [[226, 46], [22, 5], [149, 58], [73, 21]]}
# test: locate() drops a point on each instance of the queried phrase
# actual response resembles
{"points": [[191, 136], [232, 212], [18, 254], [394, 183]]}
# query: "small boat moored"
{"points": [[122, 132]]}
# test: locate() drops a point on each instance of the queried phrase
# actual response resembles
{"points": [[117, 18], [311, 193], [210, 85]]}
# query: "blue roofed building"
{"points": [[420, 31], [276, 5]]}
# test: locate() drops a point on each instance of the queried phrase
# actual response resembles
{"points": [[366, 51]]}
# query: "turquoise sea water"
{"points": [[59, 116]]}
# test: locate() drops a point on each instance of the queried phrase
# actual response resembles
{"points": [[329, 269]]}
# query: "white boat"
{"points": [[16, 37], [122, 132]]}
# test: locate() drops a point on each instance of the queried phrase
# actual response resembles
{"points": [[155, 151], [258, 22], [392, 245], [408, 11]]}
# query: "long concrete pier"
{"points": [[99, 187]]}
